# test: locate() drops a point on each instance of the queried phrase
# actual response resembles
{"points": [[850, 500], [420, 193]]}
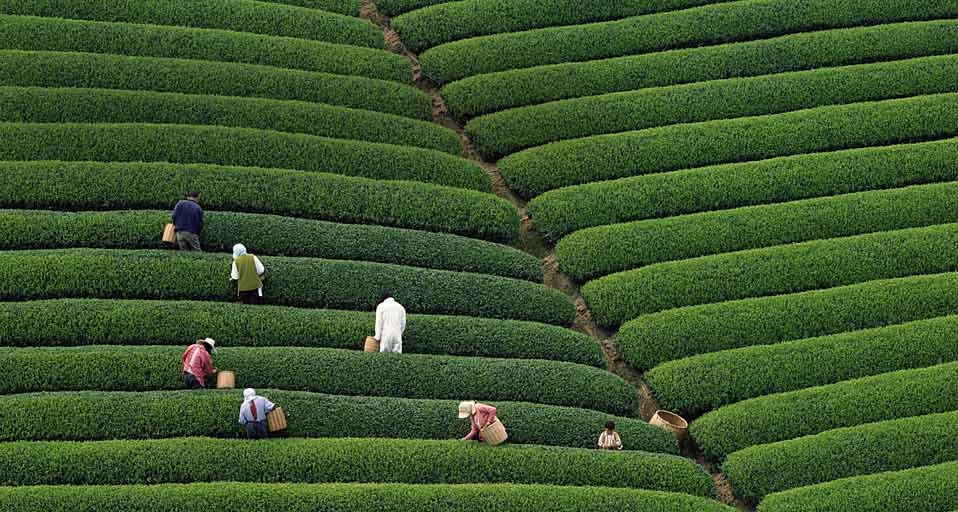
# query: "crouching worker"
{"points": [[248, 273], [253, 413], [609, 439], [198, 363], [390, 324], [480, 416]]}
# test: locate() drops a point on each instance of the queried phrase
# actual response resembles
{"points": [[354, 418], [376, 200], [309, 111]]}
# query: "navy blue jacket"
{"points": [[188, 216]]}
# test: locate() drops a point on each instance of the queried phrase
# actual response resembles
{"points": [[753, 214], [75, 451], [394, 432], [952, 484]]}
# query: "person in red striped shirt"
{"points": [[198, 363]]}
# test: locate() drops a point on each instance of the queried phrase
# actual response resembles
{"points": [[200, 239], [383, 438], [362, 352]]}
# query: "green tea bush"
{"points": [[323, 370], [72, 105], [605, 157], [396, 7], [310, 282], [599, 251], [674, 334], [239, 15], [79, 186], [134, 39], [510, 131], [447, 22], [347, 7], [810, 411], [874, 448], [931, 488], [77, 322], [99, 71], [268, 235], [492, 92], [345, 460], [202, 497], [162, 414], [560, 212], [139, 142], [700, 26], [707, 381], [783, 269]]}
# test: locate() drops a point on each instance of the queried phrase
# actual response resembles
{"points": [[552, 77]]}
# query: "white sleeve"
{"points": [[379, 323], [260, 269], [402, 324], [234, 274]]}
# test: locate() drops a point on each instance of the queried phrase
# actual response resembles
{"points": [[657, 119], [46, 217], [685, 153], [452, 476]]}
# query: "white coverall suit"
{"points": [[390, 324]]}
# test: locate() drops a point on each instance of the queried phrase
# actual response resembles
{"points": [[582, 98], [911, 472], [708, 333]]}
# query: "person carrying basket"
{"points": [[486, 427]]}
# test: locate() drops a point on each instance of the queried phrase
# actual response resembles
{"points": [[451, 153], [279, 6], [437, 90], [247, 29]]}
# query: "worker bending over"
{"points": [[390, 324], [480, 416], [253, 413], [198, 363]]}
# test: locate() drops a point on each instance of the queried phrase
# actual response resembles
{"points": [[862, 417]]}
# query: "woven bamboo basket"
{"points": [[225, 380], [276, 420], [494, 433], [671, 422], [169, 234], [371, 345]]}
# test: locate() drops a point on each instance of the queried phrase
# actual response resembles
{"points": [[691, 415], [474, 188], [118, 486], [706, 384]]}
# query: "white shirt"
{"points": [[390, 320], [260, 270]]}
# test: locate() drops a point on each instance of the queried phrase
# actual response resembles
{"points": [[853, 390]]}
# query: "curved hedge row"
{"points": [[343, 460], [80, 417], [99, 71], [483, 94], [617, 298], [513, 130], [140, 142], [447, 22], [55, 34], [885, 446], [599, 251], [72, 105], [674, 334], [268, 235], [322, 370], [700, 26], [931, 487], [77, 322], [712, 380], [348, 497], [605, 157], [810, 411], [97, 273], [239, 15], [79, 186], [347, 7], [560, 212], [397, 7]]}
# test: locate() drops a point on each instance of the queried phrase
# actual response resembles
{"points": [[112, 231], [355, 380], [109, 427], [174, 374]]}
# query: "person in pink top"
{"points": [[480, 416], [198, 363]]}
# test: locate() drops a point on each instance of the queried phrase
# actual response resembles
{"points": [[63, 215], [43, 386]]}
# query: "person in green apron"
{"points": [[248, 273]]}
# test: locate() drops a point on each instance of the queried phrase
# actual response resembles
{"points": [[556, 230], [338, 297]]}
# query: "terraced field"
{"points": [[742, 211]]}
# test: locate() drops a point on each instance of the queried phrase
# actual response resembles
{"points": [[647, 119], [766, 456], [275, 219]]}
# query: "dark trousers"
{"points": [[256, 430], [191, 382], [250, 297], [187, 241]]}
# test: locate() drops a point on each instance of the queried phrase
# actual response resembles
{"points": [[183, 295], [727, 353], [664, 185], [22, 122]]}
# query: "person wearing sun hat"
{"points": [[252, 414], [480, 416], [198, 363]]}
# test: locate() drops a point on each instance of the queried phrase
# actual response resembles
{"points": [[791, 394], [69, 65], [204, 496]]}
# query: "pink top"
{"points": [[485, 416], [196, 360]]}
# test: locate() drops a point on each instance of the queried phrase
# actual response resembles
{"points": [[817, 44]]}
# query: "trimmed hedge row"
{"points": [[513, 130], [605, 157], [312, 282], [141, 142], [239, 15], [617, 298], [707, 381], [322, 370], [72, 105], [397, 7], [79, 186], [347, 7], [599, 251], [483, 94], [161, 414], [348, 498], [700, 26], [55, 34], [268, 235], [885, 446], [343, 460], [447, 22], [560, 212], [931, 488], [674, 334], [810, 411], [99, 71], [77, 322]]}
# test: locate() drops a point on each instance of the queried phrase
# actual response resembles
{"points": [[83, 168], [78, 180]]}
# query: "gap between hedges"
{"points": [[535, 244]]}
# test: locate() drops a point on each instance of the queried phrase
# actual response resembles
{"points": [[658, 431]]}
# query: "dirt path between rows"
{"points": [[532, 242]]}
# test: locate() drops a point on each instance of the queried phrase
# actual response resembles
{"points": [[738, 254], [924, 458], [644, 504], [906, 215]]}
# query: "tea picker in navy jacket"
{"points": [[188, 222]]}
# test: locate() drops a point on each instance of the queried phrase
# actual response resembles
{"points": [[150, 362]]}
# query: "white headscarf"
{"points": [[238, 250], [248, 393]]}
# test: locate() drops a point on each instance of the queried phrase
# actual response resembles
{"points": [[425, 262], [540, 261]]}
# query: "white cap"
{"points": [[211, 342], [248, 392], [466, 409]]}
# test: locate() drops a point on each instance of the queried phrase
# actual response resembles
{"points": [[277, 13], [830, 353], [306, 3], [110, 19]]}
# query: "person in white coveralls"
{"points": [[390, 324]]}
